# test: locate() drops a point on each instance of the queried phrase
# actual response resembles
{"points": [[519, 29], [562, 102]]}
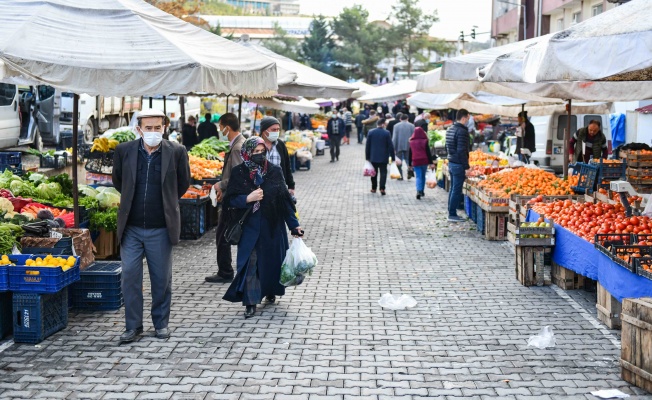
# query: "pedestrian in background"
{"points": [[189, 133], [151, 175], [401, 140], [370, 123], [277, 152], [423, 122], [335, 128], [348, 121], [378, 151], [457, 146], [359, 127], [419, 158], [258, 185], [229, 128], [391, 124], [207, 129]]}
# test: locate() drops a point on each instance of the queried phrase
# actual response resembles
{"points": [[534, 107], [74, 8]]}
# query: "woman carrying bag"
{"points": [[257, 188], [419, 157]]}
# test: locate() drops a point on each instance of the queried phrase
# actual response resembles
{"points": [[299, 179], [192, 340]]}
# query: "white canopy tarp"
{"points": [[302, 106], [321, 102], [309, 82], [393, 91], [487, 103], [612, 43], [120, 47], [363, 89]]}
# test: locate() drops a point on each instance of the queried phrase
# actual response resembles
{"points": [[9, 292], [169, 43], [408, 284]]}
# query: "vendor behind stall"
{"points": [[588, 142], [526, 144]]}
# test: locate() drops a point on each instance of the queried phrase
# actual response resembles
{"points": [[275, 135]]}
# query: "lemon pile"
{"points": [[49, 261], [4, 260]]}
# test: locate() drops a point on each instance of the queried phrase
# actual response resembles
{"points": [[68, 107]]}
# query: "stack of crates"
{"points": [[99, 287], [11, 160]]}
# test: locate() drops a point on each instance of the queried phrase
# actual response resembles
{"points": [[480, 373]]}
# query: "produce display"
{"points": [[104, 145], [210, 149], [201, 168], [53, 262], [478, 157], [293, 147], [436, 137], [194, 191], [588, 219], [526, 181]]}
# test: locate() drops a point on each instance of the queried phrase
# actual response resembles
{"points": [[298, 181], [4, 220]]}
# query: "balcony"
{"points": [[549, 6], [505, 23]]}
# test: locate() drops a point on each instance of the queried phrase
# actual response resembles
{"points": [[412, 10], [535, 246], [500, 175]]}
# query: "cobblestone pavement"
{"points": [[328, 338]]}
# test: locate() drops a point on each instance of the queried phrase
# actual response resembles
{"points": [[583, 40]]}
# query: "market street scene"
{"points": [[284, 199]]}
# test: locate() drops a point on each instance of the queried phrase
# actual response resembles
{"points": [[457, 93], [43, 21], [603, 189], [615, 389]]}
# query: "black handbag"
{"points": [[233, 232]]}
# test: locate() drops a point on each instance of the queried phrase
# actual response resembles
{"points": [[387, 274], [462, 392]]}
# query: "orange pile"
{"points": [[201, 168], [527, 182]]}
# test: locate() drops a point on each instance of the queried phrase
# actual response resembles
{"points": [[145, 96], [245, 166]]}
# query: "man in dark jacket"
{"points": [[189, 133], [528, 140], [358, 126], [457, 146], [588, 142], [151, 175], [336, 128], [378, 151], [207, 128], [392, 123], [277, 153]]}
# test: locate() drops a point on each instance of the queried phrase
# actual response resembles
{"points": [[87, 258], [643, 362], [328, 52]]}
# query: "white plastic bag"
{"points": [[369, 169], [299, 261], [303, 156], [545, 338], [399, 162], [647, 212], [431, 179], [213, 196], [610, 394], [396, 302], [394, 173]]}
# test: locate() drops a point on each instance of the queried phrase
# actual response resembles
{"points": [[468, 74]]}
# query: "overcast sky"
{"points": [[454, 16]]}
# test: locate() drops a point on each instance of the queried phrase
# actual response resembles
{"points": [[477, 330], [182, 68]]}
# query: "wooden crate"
{"points": [[637, 160], [520, 236], [495, 226], [635, 360], [530, 266], [609, 308], [106, 245], [566, 279], [492, 204]]}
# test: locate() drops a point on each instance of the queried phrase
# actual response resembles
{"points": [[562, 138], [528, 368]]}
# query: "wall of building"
{"points": [[569, 13]]}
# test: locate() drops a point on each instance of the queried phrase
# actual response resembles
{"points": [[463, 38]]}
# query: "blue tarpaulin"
{"points": [[618, 133], [574, 253]]}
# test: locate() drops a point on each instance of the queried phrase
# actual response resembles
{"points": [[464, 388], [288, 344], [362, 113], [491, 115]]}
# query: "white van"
{"points": [[549, 132], [9, 115]]}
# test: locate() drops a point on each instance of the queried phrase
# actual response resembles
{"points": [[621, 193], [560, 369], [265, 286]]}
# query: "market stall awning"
{"points": [[120, 47], [363, 89], [321, 102], [309, 82], [302, 106], [393, 91], [487, 103]]}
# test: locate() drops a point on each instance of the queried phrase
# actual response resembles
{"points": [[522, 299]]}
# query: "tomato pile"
{"points": [[587, 219]]}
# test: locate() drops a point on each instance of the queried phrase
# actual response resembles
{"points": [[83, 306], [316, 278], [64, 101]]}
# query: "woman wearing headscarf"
{"points": [[419, 157], [259, 185]]}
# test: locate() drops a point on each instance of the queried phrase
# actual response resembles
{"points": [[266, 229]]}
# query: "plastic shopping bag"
{"points": [[369, 169], [399, 162], [299, 261], [545, 338], [394, 173], [431, 179]]}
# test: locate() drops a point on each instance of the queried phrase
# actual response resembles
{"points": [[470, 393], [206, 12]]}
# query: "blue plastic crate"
{"points": [[305, 165], [6, 314], [102, 273], [105, 305], [474, 212], [11, 158], [481, 220], [37, 316], [15, 169], [193, 217], [467, 205], [4, 278], [48, 280], [588, 177]]}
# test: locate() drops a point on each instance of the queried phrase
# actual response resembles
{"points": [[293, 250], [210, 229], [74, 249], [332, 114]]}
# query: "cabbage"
{"points": [[20, 188], [6, 178], [48, 191], [37, 178], [108, 190], [108, 199], [88, 191]]}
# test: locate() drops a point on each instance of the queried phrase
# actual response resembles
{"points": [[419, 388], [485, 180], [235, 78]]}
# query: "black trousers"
{"points": [[224, 261], [382, 167], [335, 142]]}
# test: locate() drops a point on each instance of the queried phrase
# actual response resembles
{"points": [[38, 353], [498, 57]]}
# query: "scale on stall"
{"points": [[624, 188]]}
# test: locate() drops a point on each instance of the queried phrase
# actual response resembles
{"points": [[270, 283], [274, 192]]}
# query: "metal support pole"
{"points": [[151, 103], [75, 178], [227, 103], [253, 126], [165, 106], [524, 21], [182, 108], [239, 109], [567, 138]]}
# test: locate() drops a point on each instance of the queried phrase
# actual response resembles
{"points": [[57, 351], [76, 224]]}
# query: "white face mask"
{"points": [[152, 139], [224, 135], [272, 136]]}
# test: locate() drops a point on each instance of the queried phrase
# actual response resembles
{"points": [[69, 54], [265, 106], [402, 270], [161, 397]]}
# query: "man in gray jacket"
{"points": [[229, 127], [151, 175], [401, 139]]}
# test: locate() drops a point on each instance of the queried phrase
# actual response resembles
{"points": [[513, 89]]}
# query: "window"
{"points": [[577, 17], [589, 118], [45, 92], [562, 122], [7, 94], [596, 10], [560, 24]]}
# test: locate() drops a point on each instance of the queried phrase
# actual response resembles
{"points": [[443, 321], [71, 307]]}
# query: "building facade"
{"points": [[258, 27], [565, 13], [267, 7]]}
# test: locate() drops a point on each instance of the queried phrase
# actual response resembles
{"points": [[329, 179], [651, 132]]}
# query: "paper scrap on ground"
{"points": [[396, 302], [610, 394], [545, 338]]}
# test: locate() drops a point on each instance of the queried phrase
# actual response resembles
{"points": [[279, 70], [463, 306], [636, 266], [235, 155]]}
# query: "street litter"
{"points": [[610, 394], [545, 338], [396, 302]]}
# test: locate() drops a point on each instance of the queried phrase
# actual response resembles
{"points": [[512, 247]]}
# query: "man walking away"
{"points": [[207, 129], [379, 149], [151, 175], [392, 123], [189, 133], [457, 146], [401, 139], [359, 127], [348, 121], [229, 128], [370, 123], [424, 122], [335, 130]]}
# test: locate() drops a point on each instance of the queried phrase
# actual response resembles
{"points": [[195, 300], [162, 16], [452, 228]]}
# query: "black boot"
{"points": [[250, 311]]}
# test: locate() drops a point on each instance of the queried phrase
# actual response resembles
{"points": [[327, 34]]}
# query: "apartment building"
{"points": [[267, 7], [565, 13]]}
